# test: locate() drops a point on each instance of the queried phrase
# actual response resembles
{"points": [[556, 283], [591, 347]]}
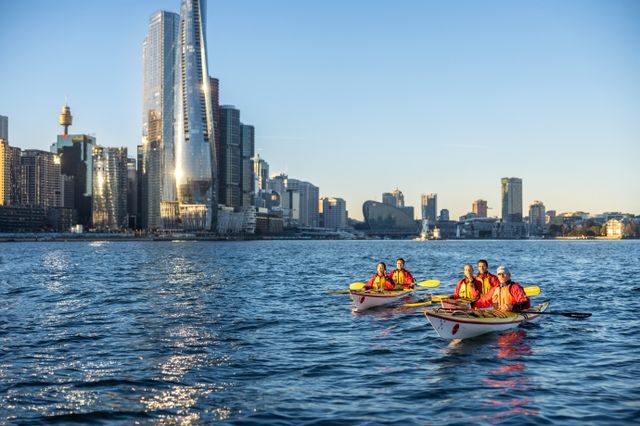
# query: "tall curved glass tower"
{"points": [[194, 133]]}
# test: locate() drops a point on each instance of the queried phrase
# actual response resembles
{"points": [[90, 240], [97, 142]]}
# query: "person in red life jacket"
{"points": [[380, 281], [401, 277], [508, 296], [469, 287], [487, 279]]}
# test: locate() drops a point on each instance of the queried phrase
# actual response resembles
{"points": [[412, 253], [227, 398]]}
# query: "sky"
{"points": [[363, 97]]}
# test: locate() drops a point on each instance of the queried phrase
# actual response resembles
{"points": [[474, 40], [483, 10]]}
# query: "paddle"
{"points": [[423, 284], [533, 290], [360, 285], [564, 314]]}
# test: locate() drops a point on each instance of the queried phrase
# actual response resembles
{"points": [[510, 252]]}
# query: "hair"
{"points": [[469, 265], [384, 265], [400, 259], [483, 261]]}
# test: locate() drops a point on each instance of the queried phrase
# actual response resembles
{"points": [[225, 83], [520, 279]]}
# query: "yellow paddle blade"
{"points": [[356, 286], [429, 283], [439, 297], [418, 303], [533, 290]]}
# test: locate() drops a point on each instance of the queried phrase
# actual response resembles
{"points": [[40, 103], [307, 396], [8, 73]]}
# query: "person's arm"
{"points": [[485, 301], [520, 299], [456, 292], [369, 284]]}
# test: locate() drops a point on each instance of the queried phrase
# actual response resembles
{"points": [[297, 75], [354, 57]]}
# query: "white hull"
{"points": [[468, 324], [363, 300]]}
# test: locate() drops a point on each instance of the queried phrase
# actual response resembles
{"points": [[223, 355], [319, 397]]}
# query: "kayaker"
{"points": [[401, 277], [487, 279], [468, 287], [508, 296], [380, 281]]}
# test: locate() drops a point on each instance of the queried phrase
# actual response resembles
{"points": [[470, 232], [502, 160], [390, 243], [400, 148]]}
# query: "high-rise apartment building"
{"points": [[479, 208], [41, 180], [76, 164], [429, 206], [10, 172], [511, 200], [334, 212], [110, 188], [194, 131], [537, 218], [158, 164]]}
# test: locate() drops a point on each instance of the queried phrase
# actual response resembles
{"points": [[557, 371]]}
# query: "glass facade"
{"points": [[76, 161], [41, 180], [383, 219], [110, 188], [158, 165], [194, 137]]}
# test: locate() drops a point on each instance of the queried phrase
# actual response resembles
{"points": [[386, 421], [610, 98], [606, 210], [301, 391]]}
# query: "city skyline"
{"points": [[452, 95]]}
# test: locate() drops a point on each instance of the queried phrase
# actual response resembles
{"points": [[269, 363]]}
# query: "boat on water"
{"points": [[367, 299], [465, 324]]}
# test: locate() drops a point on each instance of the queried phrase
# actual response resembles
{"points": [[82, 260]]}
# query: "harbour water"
{"points": [[244, 333]]}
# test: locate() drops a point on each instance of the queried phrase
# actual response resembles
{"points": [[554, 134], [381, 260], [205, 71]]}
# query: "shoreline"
{"points": [[45, 237]]}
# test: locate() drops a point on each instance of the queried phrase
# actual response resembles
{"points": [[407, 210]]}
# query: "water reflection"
{"points": [[510, 380]]}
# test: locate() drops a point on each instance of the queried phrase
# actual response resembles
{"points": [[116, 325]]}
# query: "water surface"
{"points": [[243, 333]]}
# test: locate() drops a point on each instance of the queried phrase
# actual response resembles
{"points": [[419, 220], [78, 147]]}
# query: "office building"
{"points": [[388, 199], [132, 194], [511, 200], [260, 173], [229, 170], [479, 207], [76, 164], [158, 164], [247, 150], [429, 206], [110, 188], [194, 128], [444, 215]]}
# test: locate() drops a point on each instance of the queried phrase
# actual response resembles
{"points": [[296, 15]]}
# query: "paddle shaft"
{"points": [[564, 314]]}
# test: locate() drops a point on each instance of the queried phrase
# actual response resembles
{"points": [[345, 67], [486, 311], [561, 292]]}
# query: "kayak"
{"points": [[464, 324], [367, 299]]}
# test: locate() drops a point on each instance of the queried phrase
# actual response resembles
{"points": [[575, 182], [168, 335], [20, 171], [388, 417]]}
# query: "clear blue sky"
{"points": [[360, 97]]}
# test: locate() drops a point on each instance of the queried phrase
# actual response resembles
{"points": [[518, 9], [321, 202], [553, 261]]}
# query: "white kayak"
{"points": [[367, 299], [464, 324]]}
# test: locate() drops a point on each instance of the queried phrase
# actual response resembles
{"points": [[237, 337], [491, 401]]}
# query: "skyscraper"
{"points": [[76, 164], [247, 150], [429, 206], [194, 131], [158, 164], [261, 173], [479, 207], [511, 200], [110, 188], [229, 166]]}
